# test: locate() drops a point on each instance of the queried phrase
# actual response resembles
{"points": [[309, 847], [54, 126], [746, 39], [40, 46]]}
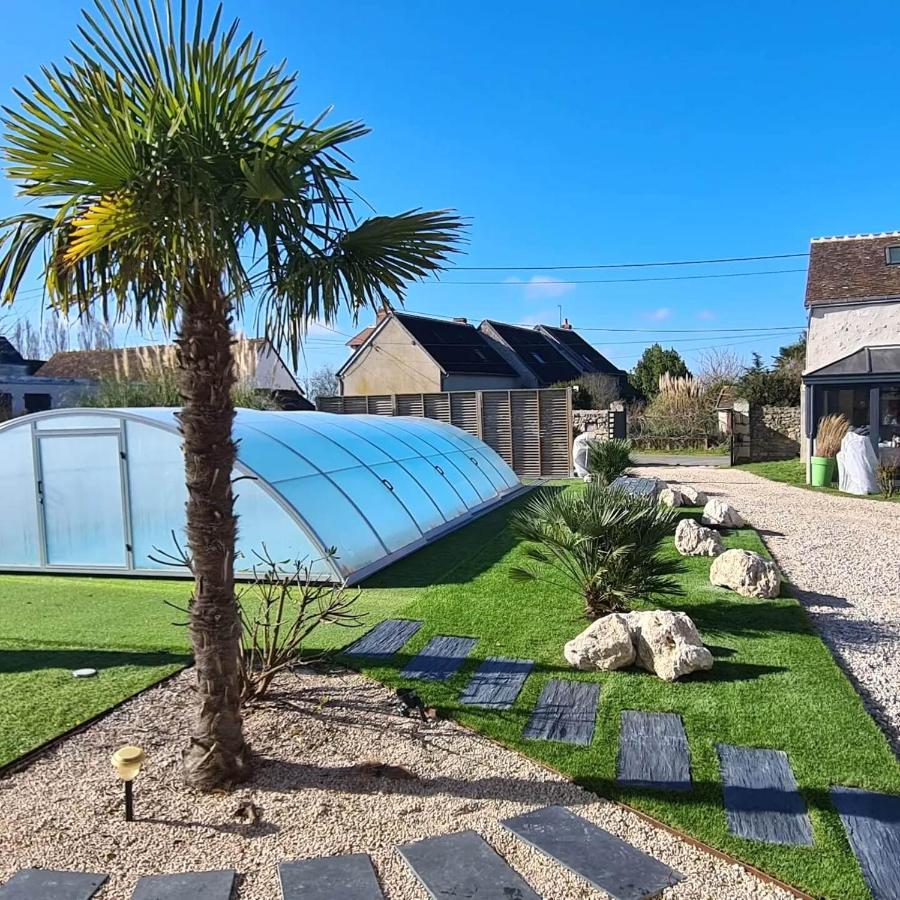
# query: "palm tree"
{"points": [[172, 183]]}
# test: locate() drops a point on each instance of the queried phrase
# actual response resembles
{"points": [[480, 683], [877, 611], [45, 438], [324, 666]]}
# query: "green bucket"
{"points": [[822, 470]]}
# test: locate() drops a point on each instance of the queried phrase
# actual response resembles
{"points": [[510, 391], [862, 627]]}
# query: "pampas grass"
{"points": [[830, 434]]}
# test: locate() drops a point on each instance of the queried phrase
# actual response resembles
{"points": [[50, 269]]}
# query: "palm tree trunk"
{"points": [[217, 755]]}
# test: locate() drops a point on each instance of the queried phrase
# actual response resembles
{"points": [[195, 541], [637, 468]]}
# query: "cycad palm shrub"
{"points": [[602, 543], [607, 460]]}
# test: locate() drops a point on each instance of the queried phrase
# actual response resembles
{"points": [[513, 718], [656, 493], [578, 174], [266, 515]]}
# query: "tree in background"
{"points": [[323, 382], [654, 363], [594, 390], [792, 356], [171, 181], [719, 368]]}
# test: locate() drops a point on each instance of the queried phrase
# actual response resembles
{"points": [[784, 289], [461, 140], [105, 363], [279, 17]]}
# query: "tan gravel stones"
{"points": [[717, 512], [605, 645], [692, 539], [668, 644], [747, 573], [662, 642]]}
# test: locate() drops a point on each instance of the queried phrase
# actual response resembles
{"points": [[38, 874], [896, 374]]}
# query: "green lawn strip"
{"points": [[40, 699], [793, 471], [774, 685]]}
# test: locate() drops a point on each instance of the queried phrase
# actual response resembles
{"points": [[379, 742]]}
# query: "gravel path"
{"points": [[64, 810], [843, 556]]}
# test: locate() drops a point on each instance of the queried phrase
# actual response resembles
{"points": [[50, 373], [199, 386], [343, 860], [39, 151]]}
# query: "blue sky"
{"points": [[593, 132]]}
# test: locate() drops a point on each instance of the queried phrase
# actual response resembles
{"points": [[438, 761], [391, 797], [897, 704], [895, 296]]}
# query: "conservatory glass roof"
{"points": [[371, 488]]}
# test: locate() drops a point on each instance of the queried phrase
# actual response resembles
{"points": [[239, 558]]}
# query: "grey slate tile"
{"points": [[653, 751], [48, 884], [385, 639], [761, 797], [637, 487], [497, 682], [216, 885], [439, 659], [872, 822], [606, 861], [566, 711], [464, 865], [348, 877]]}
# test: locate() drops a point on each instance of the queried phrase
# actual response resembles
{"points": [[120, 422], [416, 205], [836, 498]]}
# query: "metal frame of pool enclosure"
{"points": [[101, 491]]}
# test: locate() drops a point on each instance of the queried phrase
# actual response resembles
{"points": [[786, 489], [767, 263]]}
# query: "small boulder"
{"points": [[691, 496], [747, 573], [670, 496], [605, 644], [587, 479], [692, 539], [668, 644], [717, 512]]}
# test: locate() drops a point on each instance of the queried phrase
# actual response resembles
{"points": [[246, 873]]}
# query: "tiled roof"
{"points": [[8, 354], [851, 268], [537, 352], [589, 358], [457, 347]]}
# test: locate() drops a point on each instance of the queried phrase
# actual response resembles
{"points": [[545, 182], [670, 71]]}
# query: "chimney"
{"points": [[461, 319], [566, 325]]}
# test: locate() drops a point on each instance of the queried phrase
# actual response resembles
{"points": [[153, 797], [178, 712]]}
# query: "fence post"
{"points": [[741, 449]]}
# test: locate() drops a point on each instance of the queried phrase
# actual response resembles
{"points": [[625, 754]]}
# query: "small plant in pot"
{"points": [[829, 435]]}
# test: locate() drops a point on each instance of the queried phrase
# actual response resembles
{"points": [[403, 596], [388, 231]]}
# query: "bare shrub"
{"points": [[887, 475]]}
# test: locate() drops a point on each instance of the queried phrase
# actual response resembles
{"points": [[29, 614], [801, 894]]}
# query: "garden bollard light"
{"points": [[127, 762]]}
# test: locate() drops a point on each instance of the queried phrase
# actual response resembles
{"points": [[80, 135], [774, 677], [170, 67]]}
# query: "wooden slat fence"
{"points": [[530, 429]]}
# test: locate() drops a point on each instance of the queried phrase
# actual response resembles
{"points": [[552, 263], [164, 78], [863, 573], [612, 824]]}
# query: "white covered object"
{"points": [[856, 465], [580, 450]]}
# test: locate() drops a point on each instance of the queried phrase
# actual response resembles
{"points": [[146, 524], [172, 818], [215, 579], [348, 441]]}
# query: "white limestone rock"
{"points": [[668, 644], [670, 496], [605, 645], [691, 496], [747, 573], [692, 539], [718, 513]]}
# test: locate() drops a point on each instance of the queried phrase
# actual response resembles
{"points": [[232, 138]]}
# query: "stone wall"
{"points": [[605, 420], [774, 432]]}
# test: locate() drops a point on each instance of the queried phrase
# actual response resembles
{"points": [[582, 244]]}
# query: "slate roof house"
{"points": [[853, 340], [404, 353]]}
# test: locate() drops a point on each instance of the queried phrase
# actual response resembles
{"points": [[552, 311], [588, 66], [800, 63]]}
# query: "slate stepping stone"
{"points": [[440, 658], [761, 797], [464, 865], [607, 862], [653, 752], [44, 884], [637, 487], [872, 822], [348, 877], [385, 639], [566, 711], [497, 682], [186, 886]]}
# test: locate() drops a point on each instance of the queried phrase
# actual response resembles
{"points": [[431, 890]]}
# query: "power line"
{"points": [[620, 280], [637, 265]]}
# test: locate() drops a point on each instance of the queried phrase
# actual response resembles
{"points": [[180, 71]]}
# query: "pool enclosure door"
{"points": [[82, 501]]}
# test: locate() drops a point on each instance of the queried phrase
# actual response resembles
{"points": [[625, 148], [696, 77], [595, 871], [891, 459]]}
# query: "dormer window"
{"points": [[892, 256]]}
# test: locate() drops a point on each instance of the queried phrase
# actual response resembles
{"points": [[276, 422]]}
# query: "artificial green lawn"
{"points": [[793, 471], [774, 684]]}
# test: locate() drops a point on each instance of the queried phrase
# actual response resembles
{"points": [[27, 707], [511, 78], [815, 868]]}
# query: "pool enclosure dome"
{"points": [[102, 490]]}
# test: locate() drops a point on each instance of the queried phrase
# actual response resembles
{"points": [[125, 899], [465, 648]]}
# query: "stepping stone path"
{"points": [[566, 711], [607, 862], [440, 658], [872, 822], [43, 884], [497, 682], [653, 752], [350, 877], [187, 886], [761, 797], [385, 639], [464, 865]]}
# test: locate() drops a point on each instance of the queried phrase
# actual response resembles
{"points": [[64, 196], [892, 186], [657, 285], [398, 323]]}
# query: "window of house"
{"points": [[5, 407], [852, 403], [889, 416], [37, 402], [538, 357], [892, 255]]}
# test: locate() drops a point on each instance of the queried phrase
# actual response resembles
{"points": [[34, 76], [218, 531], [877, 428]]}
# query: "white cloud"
{"points": [[659, 315], [540, 287], [706, 315]]}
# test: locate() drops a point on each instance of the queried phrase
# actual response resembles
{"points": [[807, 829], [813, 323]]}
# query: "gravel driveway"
{"points": [[842, 554]]}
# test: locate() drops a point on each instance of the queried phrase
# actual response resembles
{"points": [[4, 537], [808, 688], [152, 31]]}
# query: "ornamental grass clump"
{"points": [[607, 460], [830, 434], [887, 475], [602, 543]]}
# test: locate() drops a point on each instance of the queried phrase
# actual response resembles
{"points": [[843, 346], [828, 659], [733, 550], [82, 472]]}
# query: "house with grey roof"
{"points": [[853, 340]]}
